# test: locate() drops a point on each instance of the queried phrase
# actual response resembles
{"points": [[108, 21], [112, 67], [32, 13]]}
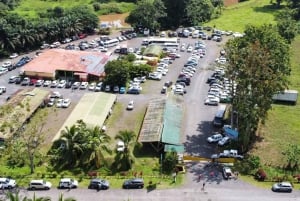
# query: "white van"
{"points": [[195, 34]]}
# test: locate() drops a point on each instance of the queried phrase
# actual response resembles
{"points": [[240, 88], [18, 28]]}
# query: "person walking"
{"points": [[203, 186]]}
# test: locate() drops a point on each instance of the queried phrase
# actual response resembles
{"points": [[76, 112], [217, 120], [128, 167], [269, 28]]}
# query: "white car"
{"points": [[46, 83], [214, 138], [6, 64], [13, 55], [130, 105], [39, 185], [211, 100], [66, 103], [224, 141], [7, 183], [59, 103], [99, 86], [68, 183], [92, 86], [54, 84], [190, 49], [3, 71], [62, 84], [84, 85], [155, 76], [120, 146]]}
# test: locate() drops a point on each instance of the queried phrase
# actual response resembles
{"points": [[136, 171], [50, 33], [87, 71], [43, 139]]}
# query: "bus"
{"points": [[219, 117], [111, 43], [170, 46], [160, 41]]}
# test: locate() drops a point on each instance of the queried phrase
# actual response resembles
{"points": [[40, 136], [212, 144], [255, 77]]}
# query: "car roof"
{"points": [[65, 180]]}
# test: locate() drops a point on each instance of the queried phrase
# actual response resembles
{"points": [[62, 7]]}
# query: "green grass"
{"points": [[31, 8], [236, 17]]}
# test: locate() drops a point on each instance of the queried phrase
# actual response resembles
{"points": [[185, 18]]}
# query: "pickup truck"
{"points": [[232, 153]]}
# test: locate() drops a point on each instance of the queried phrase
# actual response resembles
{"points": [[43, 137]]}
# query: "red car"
{"points": [[81, 36]]}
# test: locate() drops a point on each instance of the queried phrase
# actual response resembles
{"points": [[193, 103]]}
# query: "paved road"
{"points": [[197, 126]]}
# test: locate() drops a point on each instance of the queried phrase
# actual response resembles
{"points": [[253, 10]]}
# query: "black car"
{"points": [[133, 183], [99, 184]]}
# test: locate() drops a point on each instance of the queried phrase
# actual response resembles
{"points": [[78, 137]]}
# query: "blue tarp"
{"points": [[233, 134]]}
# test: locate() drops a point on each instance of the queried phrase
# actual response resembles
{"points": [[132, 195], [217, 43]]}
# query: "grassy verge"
{"points": [[236, 17]]}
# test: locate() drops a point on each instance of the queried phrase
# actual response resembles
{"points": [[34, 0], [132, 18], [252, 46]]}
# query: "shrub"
{"points": [[260, 175], [96, 6]]}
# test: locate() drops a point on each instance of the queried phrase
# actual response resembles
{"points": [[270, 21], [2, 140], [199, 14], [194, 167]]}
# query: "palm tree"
{"points": [[96, 143], [71, 145], [126, 156]]}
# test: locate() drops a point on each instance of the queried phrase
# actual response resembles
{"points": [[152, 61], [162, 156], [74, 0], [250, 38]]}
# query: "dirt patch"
{"points": [[230, 2], [112, 18]]}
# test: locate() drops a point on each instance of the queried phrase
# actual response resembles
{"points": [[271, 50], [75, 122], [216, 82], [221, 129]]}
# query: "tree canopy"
{"points": [[259, 65]]}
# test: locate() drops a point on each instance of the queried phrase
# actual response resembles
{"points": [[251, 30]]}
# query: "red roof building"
{"points": [[57, 63]]}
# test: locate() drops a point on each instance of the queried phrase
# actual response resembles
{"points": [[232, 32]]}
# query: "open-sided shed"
{"points": [[93, 109]]}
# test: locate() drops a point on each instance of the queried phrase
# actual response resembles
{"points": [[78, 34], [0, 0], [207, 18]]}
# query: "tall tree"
{"points": [[259, 65], [176, 13], [198, 12], [97, 141], [126, 156], [147, 14]]}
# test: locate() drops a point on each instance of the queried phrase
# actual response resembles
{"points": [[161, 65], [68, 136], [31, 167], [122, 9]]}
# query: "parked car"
{"points": [[122, 90], [13, 55], [3, 70], [62, 84], [54, 84], [66, 103], [59, 102], [6, 64], [212, 100], [2, 90], [47, 83], [68, 84], [163, 90], [107, 88], [39, 83], [133, 91], [282, 187], [99, 184], [116, 89], [51, 102], [133, 183], [227, 173], [130, 105], [55, 94], [75, 85], [99, 86], [25, 81], [67, 183], [84, 85], [225, 140], [12, 79], [92, 86], [120, 146], [39, 185], [7, 183], [214, 138]]}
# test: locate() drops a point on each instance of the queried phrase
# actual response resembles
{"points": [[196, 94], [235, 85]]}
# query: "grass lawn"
{"points": [[236, 17], [31, 8]]}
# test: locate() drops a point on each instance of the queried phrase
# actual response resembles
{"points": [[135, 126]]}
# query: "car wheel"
{"points": [[47, 188], [32, 188]]}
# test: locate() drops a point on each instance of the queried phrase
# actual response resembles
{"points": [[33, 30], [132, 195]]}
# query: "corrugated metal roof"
{"points": [[68, 60]]}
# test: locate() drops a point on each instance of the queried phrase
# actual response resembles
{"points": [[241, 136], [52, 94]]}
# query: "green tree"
{"points": [[169, 162], [259, 65], [126, 157], [117, 72], [176, 13], [286, 25], [148, 13], [97, 141], [292, 155], [198, 12]]}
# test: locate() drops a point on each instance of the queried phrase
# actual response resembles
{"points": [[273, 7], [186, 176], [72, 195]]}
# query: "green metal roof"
{"points": [[152, 50], [172, 123]]}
